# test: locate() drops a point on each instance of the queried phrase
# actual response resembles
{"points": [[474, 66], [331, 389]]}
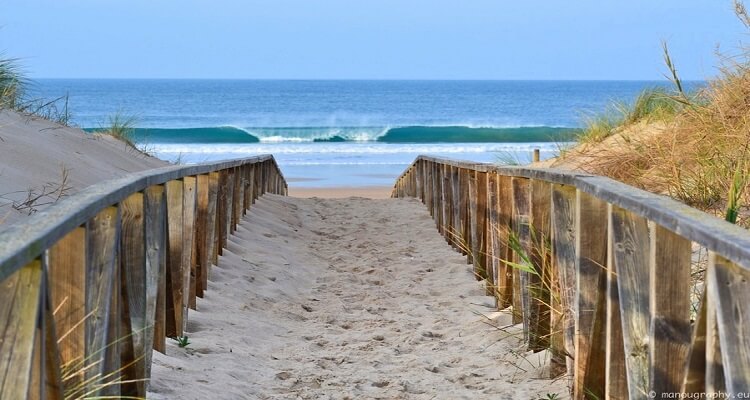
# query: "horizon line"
{"points": [[375, 79]]}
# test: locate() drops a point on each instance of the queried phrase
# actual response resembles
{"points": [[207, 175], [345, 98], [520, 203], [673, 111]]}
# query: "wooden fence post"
{"points": [[67, 269], [564, 258], [589, 306], [616, 381], [631, 255], [175, 285], [729, 292], [156, 242], [202, 237], [669, 297], [188, 232], [101, 272], [134, 296], [540, 284], [19, 303], [521, 228]]}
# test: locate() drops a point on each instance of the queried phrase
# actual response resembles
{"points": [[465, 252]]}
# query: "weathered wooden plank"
{"points": [[175, 270], [251, 185], [695, 368], [188, 236], [486, 245], [156, 245], [480, 255], [670, 310], [465, 215], [19, 309], [101, 271], [456, 222], [540, 254], [615, 368], [212, 223], [230, 182], [221, 213], [67, 269], [133, 268], [493, 245], [715, 375], [46, 375], [117, 328], [590, 299], [564, 259], [522, 231], [202, 255], [446, 194], [246, 189], [729, 290], [236, 196], [504, 208]]}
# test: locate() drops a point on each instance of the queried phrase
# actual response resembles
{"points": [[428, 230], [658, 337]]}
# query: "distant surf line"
{"points": [[404, 134]]}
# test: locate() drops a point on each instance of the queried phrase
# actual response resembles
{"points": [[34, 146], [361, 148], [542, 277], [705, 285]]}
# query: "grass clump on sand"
{"points": [[13, 85], [692, 147], [121, 127]]}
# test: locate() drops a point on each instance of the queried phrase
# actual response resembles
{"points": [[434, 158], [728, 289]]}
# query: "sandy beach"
{"points": [[346, 299], [368, 192]]}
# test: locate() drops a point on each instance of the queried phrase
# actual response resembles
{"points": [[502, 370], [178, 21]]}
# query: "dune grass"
{"points": [[121, 127], [694, 147], [13, 88]]}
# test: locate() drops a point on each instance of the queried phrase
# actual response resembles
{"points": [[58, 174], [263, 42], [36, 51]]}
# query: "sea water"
{"points": [[327, 133]]}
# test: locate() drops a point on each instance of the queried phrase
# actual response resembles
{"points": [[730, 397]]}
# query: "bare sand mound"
{"points": [[346, 299], [35, 154]]}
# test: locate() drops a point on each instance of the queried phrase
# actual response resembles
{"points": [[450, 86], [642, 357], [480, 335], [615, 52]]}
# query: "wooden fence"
{"points": [[600, 274], [91, 285]]}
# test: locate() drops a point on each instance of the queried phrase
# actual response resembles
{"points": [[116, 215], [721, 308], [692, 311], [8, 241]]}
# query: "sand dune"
{"points": [[346, 299], [34, 153]]}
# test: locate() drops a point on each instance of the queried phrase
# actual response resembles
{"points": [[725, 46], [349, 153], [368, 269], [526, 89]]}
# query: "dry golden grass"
{"points": [[694, 148]]}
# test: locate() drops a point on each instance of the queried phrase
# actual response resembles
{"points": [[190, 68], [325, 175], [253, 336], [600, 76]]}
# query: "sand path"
{"points": [[346, 299]]}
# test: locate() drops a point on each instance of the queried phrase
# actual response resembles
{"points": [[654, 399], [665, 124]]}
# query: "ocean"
{"points": [[327, 133]]}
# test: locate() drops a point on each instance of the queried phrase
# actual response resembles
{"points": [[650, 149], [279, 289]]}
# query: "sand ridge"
{"points": [[346, 299]]}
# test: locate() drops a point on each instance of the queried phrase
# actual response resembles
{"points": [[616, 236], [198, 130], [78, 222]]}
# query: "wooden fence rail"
{"points": [[91, 285], [600, 274]]}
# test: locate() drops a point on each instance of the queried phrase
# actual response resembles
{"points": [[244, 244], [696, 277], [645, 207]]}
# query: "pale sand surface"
{"points": [[346, 299], [369, 192], [34, 152]]}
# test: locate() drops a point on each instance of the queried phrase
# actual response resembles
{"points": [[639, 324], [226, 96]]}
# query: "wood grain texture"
{"points": [[591, 229], [202, 255], [174, 278], [493, 245], [19, 310], [134, 294], [211, 224], [631, 256], [190, 194], [694, 382], [715, 377], [539, 250], [729, 290], [67, 269], [504, 208], [615, 369], [670, 310], [522, 229], [156, 245], [564, 258], [101, 271]]}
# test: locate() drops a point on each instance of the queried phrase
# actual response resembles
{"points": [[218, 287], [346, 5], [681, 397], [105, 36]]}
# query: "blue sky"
{"points": [[375, 39]]}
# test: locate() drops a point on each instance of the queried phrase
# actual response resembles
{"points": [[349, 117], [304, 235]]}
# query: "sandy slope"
{"points": [[34, 152], [346, 299]]}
